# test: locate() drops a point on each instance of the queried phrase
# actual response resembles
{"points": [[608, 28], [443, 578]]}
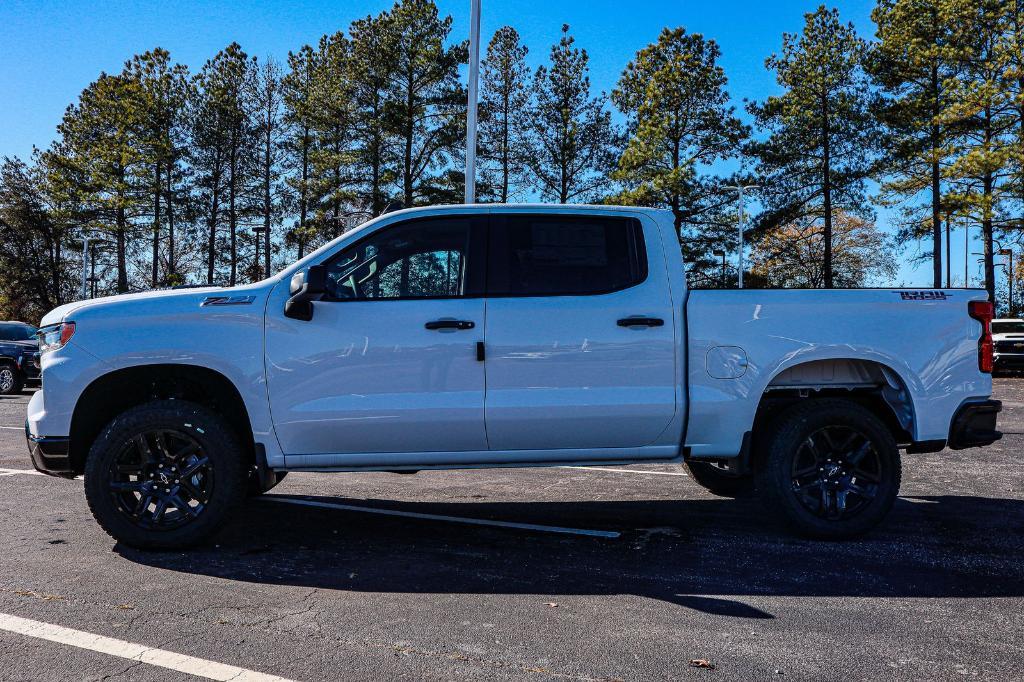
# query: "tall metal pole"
{"points": [[474, 77], [739, 226]]}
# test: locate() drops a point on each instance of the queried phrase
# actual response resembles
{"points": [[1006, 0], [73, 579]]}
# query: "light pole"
{"points": [[721, 254], [739, 225], [474, 77]]}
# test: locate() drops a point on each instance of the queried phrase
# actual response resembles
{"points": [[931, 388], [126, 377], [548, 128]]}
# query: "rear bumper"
{"points": [[974, 425], [50, 454]]}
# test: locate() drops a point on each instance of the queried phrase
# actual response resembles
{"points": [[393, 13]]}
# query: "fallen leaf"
{"points": [[552, 604], [701, 663], [126, 607]]}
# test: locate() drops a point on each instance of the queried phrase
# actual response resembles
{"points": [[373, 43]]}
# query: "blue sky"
{"points": [[50, 50]]}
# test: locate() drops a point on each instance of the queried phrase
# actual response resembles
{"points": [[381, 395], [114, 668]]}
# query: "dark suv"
{"points": [[19, 356]]}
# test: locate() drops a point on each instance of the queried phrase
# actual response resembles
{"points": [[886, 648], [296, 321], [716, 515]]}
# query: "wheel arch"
{"points": [[116, 391], [874, 384]]}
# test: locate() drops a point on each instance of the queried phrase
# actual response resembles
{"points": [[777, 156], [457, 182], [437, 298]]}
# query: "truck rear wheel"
{"points": [[719, 481], [831, 469], [164, 475]]}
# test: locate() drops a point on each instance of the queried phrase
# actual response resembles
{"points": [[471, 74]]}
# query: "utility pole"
{"points": [[739, 226], [474, 78]]}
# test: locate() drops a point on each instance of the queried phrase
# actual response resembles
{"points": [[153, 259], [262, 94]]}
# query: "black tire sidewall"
{"points": [[774, 474], [717, 482], [218, 443]]}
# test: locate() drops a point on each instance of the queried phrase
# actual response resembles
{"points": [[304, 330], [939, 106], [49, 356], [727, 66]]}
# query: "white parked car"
{"points": [[484, 336], [1008, 343]]}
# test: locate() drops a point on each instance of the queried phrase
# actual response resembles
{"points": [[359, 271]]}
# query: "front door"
{"points": [[581, 352], [388, 363]]}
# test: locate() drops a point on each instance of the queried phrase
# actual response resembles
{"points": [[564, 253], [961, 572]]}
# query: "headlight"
{"points": [[55, 336]]}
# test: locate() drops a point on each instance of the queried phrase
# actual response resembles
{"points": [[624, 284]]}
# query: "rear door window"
{"points": [[552, 255]]}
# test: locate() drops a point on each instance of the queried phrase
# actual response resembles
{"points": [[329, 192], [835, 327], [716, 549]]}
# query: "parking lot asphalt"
{"points": [[673, 575]]}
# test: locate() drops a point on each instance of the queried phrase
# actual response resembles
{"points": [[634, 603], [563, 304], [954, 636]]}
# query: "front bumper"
{"points": [[1002, 360], [50, 454], [974, 425]]}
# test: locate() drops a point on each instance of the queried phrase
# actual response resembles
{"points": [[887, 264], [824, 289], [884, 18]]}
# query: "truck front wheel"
{"points": [[164, 475], [831, 469]]}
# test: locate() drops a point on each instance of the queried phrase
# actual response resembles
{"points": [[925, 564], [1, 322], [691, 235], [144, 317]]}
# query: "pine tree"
{"points": [[297, 94], [982, 105], [100, 161], [819, 149], [164, 89], [911, 62], [372, 63], [426, 103], [268, 113], [679, 122], [223, 143], [504, 95], [332, 120], [570, 133]]}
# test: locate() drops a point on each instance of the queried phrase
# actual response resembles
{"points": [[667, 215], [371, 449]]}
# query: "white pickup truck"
{"points": [[504, 336]]}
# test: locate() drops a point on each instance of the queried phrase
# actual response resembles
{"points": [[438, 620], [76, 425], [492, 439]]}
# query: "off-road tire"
{"points": [[719, 482], [215, 440], [790, 444], [11, 379]]}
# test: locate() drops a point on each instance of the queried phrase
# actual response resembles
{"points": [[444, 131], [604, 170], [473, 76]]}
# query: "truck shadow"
{"points": [[693, 553]]}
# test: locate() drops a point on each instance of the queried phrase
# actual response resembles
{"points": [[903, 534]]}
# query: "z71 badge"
{"points": [[927, 295], [228, 300]]}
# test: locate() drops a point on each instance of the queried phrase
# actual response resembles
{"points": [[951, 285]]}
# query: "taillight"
{"points": [[982, 312]]}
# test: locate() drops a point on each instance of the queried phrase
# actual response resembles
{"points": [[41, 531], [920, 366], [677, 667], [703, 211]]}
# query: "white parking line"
{"points": [[442, 517], [15, 472], [628, 471], [13, 428], [200, 667]]}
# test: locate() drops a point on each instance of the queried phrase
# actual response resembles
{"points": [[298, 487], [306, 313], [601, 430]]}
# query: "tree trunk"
{"points": [[988, 183], [409, 137], [936, 186], [169, 200], [156, 227], [826, 191], [122, 266], [267, 199], [211, 252], [303, 193], [232, 214]]}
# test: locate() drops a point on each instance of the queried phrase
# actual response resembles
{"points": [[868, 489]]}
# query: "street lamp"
{"points": [[474, 78], [721, 254], [86, 241], [739, 225]]}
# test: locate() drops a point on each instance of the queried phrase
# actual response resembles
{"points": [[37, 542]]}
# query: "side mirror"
{"points": [[304, 289]]}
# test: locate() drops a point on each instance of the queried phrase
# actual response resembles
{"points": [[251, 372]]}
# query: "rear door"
{"points": [[580, 333]]}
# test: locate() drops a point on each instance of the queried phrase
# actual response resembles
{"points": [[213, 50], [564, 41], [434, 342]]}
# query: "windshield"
{"points": [[16, 332], [1008, 327]]}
